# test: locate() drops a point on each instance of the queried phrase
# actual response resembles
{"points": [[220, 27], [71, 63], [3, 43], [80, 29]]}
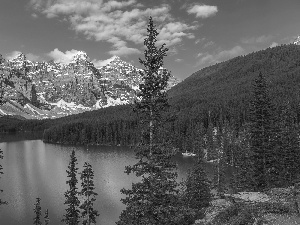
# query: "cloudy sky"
{"points": [[198, 33]]}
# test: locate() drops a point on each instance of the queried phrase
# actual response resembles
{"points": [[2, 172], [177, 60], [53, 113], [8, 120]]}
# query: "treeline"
{"points": [[117, 132]]}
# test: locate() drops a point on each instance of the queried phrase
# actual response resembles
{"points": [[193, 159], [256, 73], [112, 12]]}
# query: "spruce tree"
{"points": [[198, 187], [243, 172], [1, 172], [153, 200], [88, 214], [219, 181], [261, 133], [46, 218], [286, 164], [72, 212], [38, 212]]}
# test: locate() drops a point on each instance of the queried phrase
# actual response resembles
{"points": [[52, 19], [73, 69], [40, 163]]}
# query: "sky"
{"points": [[198, 33]]}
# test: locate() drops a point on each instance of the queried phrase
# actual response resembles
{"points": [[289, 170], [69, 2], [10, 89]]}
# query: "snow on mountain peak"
{"points": [[19, 57], [115, 58], [80, 56], [297, 40]]}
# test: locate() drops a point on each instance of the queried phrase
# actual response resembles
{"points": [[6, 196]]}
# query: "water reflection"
{"points": [[34, 169]]}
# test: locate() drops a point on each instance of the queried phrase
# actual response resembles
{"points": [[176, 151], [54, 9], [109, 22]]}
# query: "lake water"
{"points": [[34, 169]]}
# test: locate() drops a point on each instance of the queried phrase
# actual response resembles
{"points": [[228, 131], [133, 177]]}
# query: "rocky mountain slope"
{"points": [[50, 89], [297, 41]]}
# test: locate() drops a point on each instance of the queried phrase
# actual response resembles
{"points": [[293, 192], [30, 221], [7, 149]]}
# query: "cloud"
{"points": [[62, 57], [67, 56], [33, 57], [257, 40], [13, 55], [274, 44], [34, 15], [203, 11], [200, 40], [210, 43], [29, 56], [207, 59], [100, 63], [115, 22], [178, 60], [173, 32]]}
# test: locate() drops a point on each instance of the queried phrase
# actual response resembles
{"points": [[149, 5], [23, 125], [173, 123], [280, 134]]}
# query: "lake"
{"points": [[35, 169]]}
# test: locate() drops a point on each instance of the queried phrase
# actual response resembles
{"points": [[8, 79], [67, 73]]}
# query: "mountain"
{"points": [[51, 89], [297, 41]]}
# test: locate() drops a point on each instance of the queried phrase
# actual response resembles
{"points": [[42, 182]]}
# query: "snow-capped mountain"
{"points": [[297, 41], [52, 89]]}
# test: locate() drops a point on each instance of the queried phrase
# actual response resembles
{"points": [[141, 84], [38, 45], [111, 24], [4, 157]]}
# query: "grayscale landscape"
{"points": [[140, 112]]}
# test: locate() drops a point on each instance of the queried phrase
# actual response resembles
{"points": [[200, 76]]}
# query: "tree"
{"points": [[47, 220], [219, 181], [198, 187], [89, 214], [1, 172], [243, 172], [286, 164], [72, 212], [153, 200], [261, 133], [38, 212]]}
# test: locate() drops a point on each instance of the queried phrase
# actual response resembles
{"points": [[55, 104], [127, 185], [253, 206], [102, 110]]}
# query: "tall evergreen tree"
{"points": [[1, 172], [46, 218], [261, 133], [38, 212], [198, 187], [286, 164], [154, 199], [243, 171], [72, 212], [219, 181], [88, 214]]}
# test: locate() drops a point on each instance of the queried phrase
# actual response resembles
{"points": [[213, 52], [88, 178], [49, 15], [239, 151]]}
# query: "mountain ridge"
{"points": [[78, 83]]}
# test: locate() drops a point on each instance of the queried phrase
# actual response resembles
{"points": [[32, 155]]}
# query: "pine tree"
{"points": [[261, 133], [243, 172], [72, 212], [38, 212], [286, 164], [88, 214], [46, 218], [153, 200], [219, 181], [198, 187], [1, 172]]}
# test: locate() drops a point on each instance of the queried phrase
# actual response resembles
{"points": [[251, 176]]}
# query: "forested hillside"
{"points": [[211, 96], [227, 85]]}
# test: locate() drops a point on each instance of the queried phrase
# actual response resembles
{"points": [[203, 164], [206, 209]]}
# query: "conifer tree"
{"points": [[154, 199], [286, 164], [198, 187], [46, 218], [1, 172], [219, 182], [243, 172], [72, 212], [261, 133], [88, 214], [38, 212]]}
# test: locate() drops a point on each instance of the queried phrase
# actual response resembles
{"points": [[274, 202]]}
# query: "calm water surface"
{"points": [[34, 169]]}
